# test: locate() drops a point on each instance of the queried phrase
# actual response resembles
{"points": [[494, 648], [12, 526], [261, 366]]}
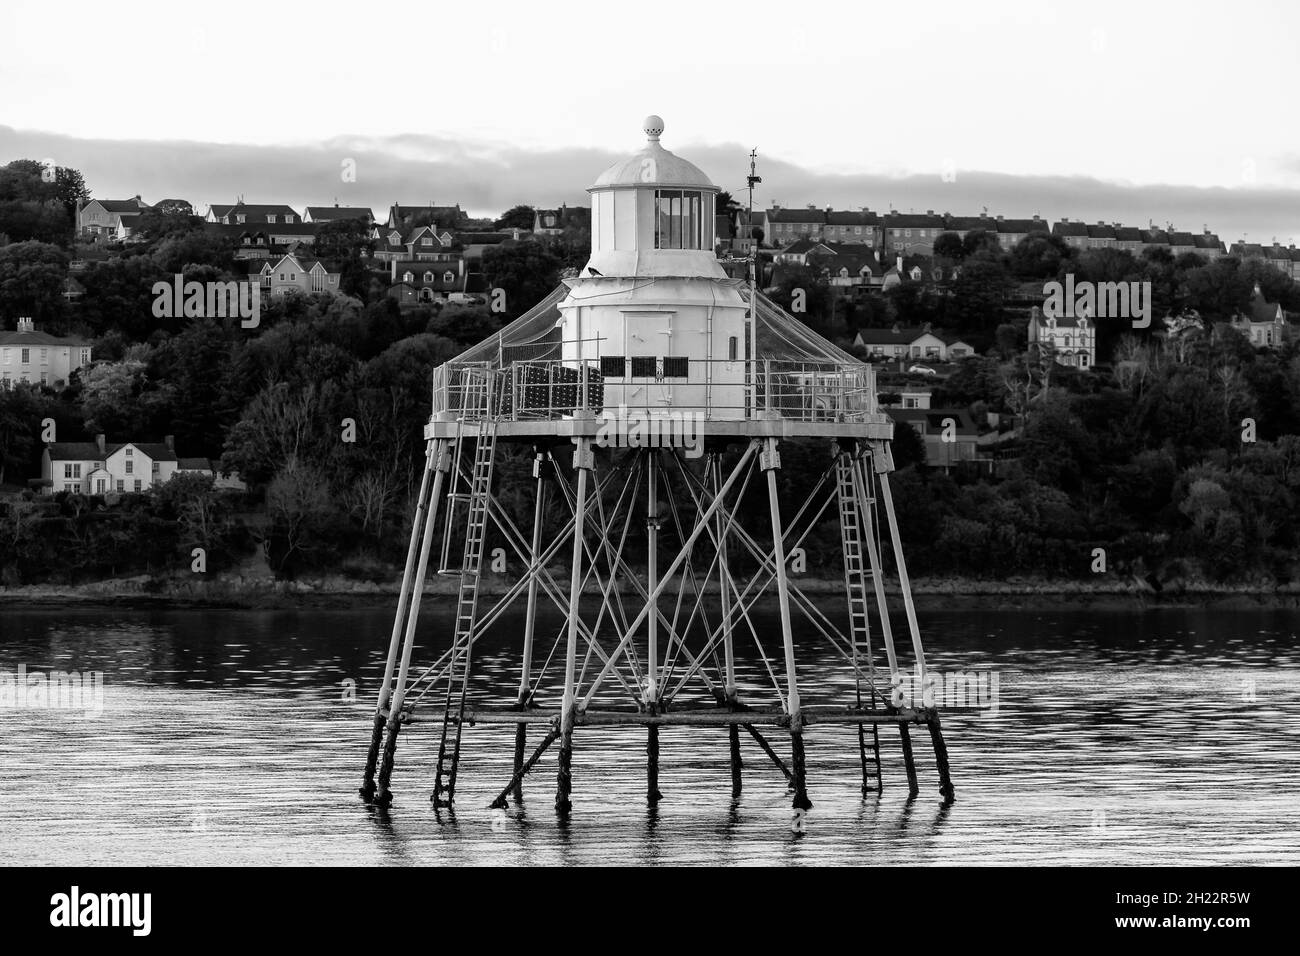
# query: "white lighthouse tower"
{"points": [[657, 630], [653, 303]]}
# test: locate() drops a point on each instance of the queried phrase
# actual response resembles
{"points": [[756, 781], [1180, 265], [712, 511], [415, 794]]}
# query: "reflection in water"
{"points": [[1165, 736]]}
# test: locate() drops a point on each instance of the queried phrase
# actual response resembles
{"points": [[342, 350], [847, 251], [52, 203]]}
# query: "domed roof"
{"points": [[653, 166]]}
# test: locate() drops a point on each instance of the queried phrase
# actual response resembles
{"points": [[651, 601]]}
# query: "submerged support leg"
{"points": [[530, 621], [770, 462], [733, 733], [941, 758], [908, 760], [383, 796], [728, 644], [652, 764], [651, 696], [367, 789], [583, 462]]}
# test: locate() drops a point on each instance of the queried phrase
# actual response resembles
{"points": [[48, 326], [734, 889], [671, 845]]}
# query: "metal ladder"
{"points": [[458, 667], [856, 574]]}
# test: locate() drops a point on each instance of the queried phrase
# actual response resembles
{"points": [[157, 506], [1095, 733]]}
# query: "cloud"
{"points": [[488, 177]]}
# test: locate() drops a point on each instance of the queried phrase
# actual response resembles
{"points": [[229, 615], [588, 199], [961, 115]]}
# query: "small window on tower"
{"points": [[644, 366], [613, 366], [732, 344]]}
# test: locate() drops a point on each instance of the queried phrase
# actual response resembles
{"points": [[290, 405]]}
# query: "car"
{"points": [[922, 370]]}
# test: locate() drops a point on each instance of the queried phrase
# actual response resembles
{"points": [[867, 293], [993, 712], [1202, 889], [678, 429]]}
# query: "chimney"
{"points": [[170, 442], [25, 324], [929, 212], [899, 263], [99, 441], [926, 327], [812, 205], [999, 218]]}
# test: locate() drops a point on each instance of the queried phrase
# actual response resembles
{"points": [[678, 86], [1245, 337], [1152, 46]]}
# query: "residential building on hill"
{"points": [[1072, 339], [1264, 324], [102, 218], [914, 343], [96, 468], [912, 233], [253, 214], [949, 434], [295, 275], [27, 355], [337, 213]]}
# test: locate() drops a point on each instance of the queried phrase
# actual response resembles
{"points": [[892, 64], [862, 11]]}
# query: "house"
{"points": [[1073, 233], [1128, 239], [96, 468], [797, 252], [1264, 324], [851, 265], [912, 233], [27, 355], [912, 268], [265, 241], [295, 275], [1073, 339], [337, 213], [553, 222], [407, 218], [781, 227], [415, 282], [949, 434], [904, 343], [246, 214], [908, 398], [1181, 243], [1209, 245], [102, 218], [862, 227], [1012, 231]]}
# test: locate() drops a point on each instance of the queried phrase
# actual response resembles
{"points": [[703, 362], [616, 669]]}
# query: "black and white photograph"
{"points": [[739, 436]]}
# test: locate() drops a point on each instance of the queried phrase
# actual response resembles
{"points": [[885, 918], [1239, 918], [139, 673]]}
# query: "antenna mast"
{"points": [[752, 180]]}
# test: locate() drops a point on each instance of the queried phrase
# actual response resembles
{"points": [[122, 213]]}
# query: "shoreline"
{"points": [[928, 593]]}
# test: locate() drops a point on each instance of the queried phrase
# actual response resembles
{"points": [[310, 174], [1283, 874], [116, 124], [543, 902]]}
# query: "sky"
{"points": [[1158, 112]]}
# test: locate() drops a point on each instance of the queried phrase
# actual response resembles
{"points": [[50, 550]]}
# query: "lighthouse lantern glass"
{"points": [[677, 219]]}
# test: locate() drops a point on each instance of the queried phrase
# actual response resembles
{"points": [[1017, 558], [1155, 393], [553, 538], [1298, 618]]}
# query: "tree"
{"points": [[299, 505], [949, 245], [980, 241], [527, 272], [31, 281], [517, 217]]}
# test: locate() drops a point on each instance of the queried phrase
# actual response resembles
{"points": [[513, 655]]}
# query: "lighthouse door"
{"points": [[645, 335]]}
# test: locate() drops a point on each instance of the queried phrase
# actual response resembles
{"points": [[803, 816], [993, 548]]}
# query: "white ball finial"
{"points": [[654, 125]]}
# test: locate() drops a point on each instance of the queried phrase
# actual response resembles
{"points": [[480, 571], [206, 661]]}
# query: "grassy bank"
{"points": [[930, 593]]}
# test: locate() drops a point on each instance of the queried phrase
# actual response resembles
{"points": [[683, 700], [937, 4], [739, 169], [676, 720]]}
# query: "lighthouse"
{"points": [[658, 630], [653, 301]]}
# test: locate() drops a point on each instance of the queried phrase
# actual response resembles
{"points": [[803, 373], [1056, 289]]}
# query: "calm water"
{"points": [[226, 737]]}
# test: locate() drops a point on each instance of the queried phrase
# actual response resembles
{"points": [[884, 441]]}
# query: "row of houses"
{"points": [[915, 233], [1285, 259]]}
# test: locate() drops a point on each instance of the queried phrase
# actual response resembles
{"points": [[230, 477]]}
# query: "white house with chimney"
{"points": [[27, 355]]}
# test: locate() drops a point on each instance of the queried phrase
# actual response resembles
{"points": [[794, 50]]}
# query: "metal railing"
{"points": [[719, 389]]}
